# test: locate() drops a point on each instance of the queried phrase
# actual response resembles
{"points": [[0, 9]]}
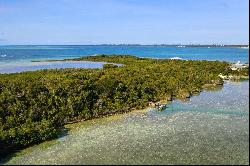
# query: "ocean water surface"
{"points": [[11, 56], [212, 128], [22, 67]]}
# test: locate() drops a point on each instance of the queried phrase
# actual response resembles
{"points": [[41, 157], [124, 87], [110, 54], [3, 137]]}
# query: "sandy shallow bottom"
{"points": [[33, 66], [212, 128]]}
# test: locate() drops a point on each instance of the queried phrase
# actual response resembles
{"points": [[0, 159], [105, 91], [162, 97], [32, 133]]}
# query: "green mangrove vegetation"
{"points": [[35, 105]]}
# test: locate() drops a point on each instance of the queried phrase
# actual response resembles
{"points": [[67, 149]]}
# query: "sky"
{"points": [[124, 22]]}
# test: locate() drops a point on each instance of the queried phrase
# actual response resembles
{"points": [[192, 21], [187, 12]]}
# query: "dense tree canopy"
{"points": [[34, 105]]}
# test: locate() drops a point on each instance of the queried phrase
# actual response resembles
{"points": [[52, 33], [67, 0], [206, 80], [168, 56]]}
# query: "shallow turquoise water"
{"points": [[11, 54], [18, 58], [21, 67], [212, 128]]}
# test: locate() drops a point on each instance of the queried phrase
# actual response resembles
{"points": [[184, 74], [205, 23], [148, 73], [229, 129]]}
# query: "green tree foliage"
{"points": [[34, 105]]}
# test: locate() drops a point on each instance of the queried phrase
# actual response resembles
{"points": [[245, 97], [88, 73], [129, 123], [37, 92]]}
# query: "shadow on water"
{"points": [[8, 155]]}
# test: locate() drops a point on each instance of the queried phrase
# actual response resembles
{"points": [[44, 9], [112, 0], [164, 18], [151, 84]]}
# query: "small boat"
{"points": [[161, 107], [4, 55]]}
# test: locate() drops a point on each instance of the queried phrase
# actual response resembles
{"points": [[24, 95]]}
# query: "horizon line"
{"points": [[125, 44]]}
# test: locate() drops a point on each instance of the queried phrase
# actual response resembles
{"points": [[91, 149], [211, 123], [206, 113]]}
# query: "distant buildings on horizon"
{"points": [[182, 45], [167, 45]]}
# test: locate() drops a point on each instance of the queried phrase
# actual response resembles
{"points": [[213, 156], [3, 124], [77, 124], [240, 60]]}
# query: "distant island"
{"points": [[34, 106], [163, 45], [181, 45]]}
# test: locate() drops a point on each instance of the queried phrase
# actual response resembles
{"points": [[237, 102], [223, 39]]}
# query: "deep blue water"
{"points": [[20, 53], [16, 55]]}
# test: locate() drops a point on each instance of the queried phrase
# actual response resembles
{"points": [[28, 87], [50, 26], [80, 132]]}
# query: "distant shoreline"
{"points": [[163, 45]]}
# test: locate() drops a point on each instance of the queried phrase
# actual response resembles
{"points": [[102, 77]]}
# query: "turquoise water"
{"points": [[212, 128], [21, 67], [18, 58], [11, 54]]}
